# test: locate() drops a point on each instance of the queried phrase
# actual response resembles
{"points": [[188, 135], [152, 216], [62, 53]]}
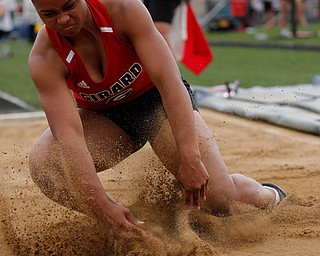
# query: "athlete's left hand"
{"points": [[194, 179]]}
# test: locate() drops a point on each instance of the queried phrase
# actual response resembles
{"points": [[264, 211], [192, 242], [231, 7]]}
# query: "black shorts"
{"points": [[162, 10], [142, 117], [267, 6]]}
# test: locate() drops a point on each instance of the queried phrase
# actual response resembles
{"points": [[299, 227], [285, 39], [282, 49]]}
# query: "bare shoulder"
{"points": [[130, 17], [43, 57], [124, 8], [119, 3], [42, 48]]}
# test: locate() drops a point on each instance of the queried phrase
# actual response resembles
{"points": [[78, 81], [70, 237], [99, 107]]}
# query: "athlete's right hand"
{"points": [[121, 220]]}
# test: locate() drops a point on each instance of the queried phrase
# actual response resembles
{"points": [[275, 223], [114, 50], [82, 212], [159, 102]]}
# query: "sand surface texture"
{"points": [[31, 224]]}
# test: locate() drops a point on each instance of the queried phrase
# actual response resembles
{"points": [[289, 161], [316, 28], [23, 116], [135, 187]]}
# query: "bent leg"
{"points": [[223, 188], [107, 143]]}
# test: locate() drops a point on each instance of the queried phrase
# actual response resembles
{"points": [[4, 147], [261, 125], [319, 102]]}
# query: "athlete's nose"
{"points": [[63, 18]]}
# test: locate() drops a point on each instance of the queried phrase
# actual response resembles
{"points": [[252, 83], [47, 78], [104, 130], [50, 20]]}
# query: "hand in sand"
{"points": [[122, 220], [194, 179]]}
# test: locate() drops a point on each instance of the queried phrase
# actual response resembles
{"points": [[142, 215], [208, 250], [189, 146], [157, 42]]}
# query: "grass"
{"points": [[265, 67], [273, 36], [260, 66], [14, 78], [252, 66]]}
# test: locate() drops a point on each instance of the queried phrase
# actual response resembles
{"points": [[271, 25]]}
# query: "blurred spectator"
{"points": [[162, 12], [177, 23], [6, 26], [283, 22], [239, 10], [271, 9], [31, 19], [6, 20], [299, 17], [12, 6], [314, 11]]}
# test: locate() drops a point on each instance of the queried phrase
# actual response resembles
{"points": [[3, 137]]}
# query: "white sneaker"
{"points": [[285, 33]]}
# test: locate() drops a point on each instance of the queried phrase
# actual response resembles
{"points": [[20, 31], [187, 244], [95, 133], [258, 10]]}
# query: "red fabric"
{"points": [[123, 80], [239, 8], [197, 53]]}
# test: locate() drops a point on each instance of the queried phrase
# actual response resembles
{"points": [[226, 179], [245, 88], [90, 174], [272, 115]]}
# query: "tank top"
{"points": [[125, 77]]}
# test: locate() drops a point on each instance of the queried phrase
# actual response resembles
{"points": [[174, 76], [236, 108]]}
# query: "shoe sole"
{"points": [[281, 192]]}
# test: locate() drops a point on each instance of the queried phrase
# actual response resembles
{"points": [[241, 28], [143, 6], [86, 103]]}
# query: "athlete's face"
{"points": [[67, 17]]}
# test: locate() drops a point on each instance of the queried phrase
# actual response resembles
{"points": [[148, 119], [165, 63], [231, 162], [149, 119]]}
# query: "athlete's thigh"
{"points": [[165, 148], [210, 153], [106, 141]]}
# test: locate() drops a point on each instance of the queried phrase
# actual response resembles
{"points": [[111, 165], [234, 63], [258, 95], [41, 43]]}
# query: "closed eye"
{"points": [[48, 14], [69, 5]]}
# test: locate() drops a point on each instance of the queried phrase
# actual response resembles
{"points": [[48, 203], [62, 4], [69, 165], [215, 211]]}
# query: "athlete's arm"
{"points": [[48, 73], [135, 25]]}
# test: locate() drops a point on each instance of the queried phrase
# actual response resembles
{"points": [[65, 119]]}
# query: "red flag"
{"points": [[190, 45]]}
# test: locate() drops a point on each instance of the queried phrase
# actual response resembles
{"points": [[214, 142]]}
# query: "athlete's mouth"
{"points": [[67, 28]]}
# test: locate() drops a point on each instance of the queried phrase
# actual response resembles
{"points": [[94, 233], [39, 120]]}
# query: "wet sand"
{"points": [[31, 224]]}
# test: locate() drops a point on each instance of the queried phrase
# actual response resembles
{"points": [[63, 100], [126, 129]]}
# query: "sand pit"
{"points": [[31, 224]]}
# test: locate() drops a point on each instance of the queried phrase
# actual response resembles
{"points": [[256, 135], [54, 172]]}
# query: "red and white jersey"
{"points": [[125, 77]]}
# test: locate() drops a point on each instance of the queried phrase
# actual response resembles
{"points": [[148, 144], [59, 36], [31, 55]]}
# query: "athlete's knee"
{"points": [[221, 194], [43, 164], [219, 204]]}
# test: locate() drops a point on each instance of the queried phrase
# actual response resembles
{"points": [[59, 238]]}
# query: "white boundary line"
{"points": [[24, 115], [16, 101]]}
